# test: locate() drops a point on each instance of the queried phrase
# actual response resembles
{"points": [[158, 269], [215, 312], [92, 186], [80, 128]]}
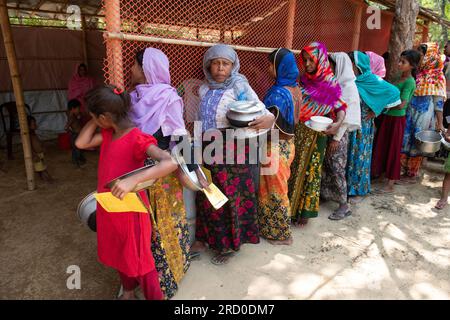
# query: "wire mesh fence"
{"points": [[183, 29]]}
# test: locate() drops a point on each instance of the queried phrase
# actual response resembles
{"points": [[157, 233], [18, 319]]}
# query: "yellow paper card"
{"points": [[130, 202]]}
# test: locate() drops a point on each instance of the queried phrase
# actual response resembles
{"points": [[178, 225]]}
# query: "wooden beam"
{"points": [[290, 25], [18, 93], [357, 26], [29, 10]]}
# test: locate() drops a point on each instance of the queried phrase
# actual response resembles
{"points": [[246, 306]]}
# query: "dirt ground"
{"points": [[392, 247]]}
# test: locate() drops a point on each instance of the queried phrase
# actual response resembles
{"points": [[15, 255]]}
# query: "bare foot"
{"points": [[222, 258], [442, 203], [407, 181], [301, 223], [287, 242], [128, 295], [355, 199], [386, 189], [198, 246]]}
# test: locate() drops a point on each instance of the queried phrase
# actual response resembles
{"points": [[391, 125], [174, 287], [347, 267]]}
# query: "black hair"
{"points": [[107, 98], [386, 55], [332, 62], [351, 54], [140, 57], [82, 65], [413, 57], [72, 104], [281, 53], [423, 48]]}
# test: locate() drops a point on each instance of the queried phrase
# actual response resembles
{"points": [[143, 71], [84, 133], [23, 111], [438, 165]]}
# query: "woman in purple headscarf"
{"points": [[158, 110]]}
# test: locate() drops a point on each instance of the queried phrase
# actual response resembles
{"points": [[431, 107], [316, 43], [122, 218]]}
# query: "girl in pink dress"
{"points": [[124, 238]]}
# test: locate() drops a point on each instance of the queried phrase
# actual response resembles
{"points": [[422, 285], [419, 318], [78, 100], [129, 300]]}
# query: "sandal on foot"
{"points": [[339, 216], [382, 191], [194, 255], [222, 258]]}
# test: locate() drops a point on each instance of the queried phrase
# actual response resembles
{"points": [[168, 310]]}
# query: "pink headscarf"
{"points": [[78, 86], [156, 104], [377, 64]]}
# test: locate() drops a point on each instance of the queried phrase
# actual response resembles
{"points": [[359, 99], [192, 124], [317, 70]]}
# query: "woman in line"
{"points": [[334, 182], [425, 111], [158, 110], [322, 96], [377, 64], [226, 229], [376, 94], [389, 137], [284, 99]]}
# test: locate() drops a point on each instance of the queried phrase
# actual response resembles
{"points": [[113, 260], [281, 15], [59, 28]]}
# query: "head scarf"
{"points": [[321, 91], [286, 75], [346, 78], [156, 104], [225, 52], [78, 86], [377, 64], [430, 80], [374, 91]]}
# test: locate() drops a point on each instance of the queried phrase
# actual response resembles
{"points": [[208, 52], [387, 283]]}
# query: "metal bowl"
{"points": [[87, 210], [139, 186], [428, 141], [241, 113], [188, 179]]}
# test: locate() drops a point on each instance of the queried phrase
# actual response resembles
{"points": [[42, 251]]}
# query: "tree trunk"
{"points": [[403, 32]]}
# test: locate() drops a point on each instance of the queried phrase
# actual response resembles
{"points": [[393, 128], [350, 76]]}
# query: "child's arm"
{"points": [[88, 138], [165, 166]]}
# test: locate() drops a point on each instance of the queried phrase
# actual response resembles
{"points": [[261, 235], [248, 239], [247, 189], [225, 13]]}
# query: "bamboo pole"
{"points": [[290, 25], [133, 37], [357, 26], [114, 45], [18, 93]]}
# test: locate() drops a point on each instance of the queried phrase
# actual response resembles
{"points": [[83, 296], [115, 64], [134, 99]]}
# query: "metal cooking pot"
{"points": [[139, 186], [87, 210], [241, 113], [428, 141]]}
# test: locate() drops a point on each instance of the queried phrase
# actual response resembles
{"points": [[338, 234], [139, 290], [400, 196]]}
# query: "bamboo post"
{"points": [[290, 25], [357, 26], [18, 93], [114, 45]]}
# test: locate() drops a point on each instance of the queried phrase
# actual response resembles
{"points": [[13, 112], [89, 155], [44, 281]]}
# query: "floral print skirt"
{"points": [[334, 182], [306, 173], [236, 222], [170, 243], [360, 157], [274, 207]]}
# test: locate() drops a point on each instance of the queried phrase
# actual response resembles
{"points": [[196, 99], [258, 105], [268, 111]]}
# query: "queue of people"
{"points": [[336, 164]]}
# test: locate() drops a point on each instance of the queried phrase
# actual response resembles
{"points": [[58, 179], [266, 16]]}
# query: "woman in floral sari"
{"points": [[334, 181], [426, 109], [226, 229], [284, 99], [158, 110], [322, 96], [376, 95]]}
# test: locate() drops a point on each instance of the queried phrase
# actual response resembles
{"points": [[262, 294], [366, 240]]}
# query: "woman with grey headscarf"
{"points": [[226, 229]]}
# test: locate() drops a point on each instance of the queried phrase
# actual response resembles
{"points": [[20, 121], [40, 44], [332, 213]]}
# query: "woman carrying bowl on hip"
{"points": [[425, 110], [321, 97], [226, 229]]}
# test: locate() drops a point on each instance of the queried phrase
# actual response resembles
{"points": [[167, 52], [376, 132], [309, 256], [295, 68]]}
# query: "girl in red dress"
{"points": [[124, 238]]}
